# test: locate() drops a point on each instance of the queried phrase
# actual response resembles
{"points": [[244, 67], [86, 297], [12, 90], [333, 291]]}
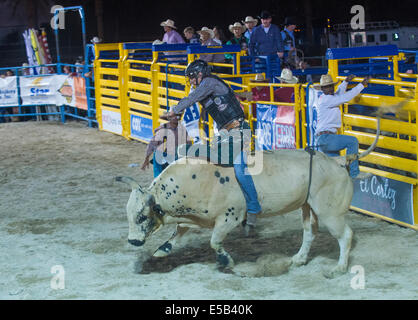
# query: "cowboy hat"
{"points": [[250, 19], [156, 42], [259, 77], [168, 23], [265, 15], [287, 76], [326, 80], [207, 30], [237, 25], [288, 21]]}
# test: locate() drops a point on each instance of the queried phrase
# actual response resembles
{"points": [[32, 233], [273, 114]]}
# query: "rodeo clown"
{"points": [[219, 101]]}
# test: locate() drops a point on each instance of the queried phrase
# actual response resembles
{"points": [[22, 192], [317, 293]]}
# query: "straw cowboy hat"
{"points": [[259, 77], [250, 19], [287, 76], [168, 23], [207, 30], [326, 80], [156, 42], [237, 25]]}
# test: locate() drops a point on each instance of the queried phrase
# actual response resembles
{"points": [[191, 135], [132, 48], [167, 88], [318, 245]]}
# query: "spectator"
{"points": [[164, 143], [171, 36], [9, 73], [259, 93], [190, 35], [206, 38], [25, 71], [266, 38], [238, 38], [286, 114], [80, 65], [250, 23], [288, 37], [286, 94], [219, 35]]}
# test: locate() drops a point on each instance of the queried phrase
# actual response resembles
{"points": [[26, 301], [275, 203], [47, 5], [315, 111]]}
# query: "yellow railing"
{"points": [[147, 87]]}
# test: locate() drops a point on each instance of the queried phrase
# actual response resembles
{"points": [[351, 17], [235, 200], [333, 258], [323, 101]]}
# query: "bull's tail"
{"points": [[130, 181], [396, 109]]}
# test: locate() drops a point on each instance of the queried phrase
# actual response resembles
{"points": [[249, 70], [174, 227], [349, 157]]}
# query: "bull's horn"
{"points": [[134, 185]]}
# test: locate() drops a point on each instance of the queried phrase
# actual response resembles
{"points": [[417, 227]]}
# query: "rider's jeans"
{"points": [[246, 183], [331, 144]]}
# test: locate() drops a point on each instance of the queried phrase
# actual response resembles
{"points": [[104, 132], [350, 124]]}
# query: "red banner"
{"points": [[80, 93]]}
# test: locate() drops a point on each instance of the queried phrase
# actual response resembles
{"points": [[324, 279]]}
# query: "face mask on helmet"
{"points": [[195, 68]]}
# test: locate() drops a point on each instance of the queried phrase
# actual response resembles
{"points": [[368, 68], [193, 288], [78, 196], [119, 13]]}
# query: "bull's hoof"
{"points": [[298, 260], [164, 250], [224, 262], [337, 271], [250, 231]]}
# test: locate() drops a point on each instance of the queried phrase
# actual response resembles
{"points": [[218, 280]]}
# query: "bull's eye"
{"points": [[140, 218]]}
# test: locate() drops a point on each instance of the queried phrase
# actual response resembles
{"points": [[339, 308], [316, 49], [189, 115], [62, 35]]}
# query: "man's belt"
{"points": [[231, 125], [324, 132]]}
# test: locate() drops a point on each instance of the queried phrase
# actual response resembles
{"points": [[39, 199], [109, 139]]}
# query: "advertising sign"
{"points": [[387, 197], [111, 121], [8, 91], [271, 133], [141, 128]]}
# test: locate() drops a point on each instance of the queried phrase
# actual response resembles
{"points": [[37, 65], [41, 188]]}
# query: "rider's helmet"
{"points": [[195, 67]]}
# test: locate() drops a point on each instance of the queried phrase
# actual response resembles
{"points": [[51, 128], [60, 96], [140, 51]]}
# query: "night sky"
{"points": [[133, 20], [130, 20]]}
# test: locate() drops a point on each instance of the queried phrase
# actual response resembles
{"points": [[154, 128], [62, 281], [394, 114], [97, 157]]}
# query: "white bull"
{"points": [[205, 195]]}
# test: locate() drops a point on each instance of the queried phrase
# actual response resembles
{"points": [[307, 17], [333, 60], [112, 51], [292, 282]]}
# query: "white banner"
{"points": [[8, 91], [111, 121], [51, 89]]}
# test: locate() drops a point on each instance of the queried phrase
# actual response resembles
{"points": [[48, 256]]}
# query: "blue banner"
{"points": [[386, 197], [141, 128], [271, 134]]}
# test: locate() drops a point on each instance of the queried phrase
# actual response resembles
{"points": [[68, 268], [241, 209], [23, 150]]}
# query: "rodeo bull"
{"points": [[204, 195]]}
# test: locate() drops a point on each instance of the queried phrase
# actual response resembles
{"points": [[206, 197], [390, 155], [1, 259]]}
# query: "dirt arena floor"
{"points": [[60, 206]]}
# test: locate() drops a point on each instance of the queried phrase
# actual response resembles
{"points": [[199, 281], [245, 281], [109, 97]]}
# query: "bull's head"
{"points": [[144, 216]]}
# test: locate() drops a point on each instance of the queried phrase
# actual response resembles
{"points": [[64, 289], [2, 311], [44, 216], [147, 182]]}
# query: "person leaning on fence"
{"points": [[191, 36], [329, 120], [164, 143], [266, 38], [219, 35], [171, 36], [206, 38], [219, 101], [237, 29], [250, 24]]}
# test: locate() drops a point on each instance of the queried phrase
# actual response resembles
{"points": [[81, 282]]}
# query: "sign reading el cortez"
{"points": [[141, 128], [386, 197]]}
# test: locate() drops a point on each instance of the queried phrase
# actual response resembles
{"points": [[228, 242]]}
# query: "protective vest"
{"points": [[223, 108]]}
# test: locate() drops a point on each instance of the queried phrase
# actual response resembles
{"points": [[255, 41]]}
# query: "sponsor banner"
{"points": [[141, 128], [386, 197], [313, 113], [271, 133], [80, 92], [111, 121], [51, 89], [8, 91]]}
